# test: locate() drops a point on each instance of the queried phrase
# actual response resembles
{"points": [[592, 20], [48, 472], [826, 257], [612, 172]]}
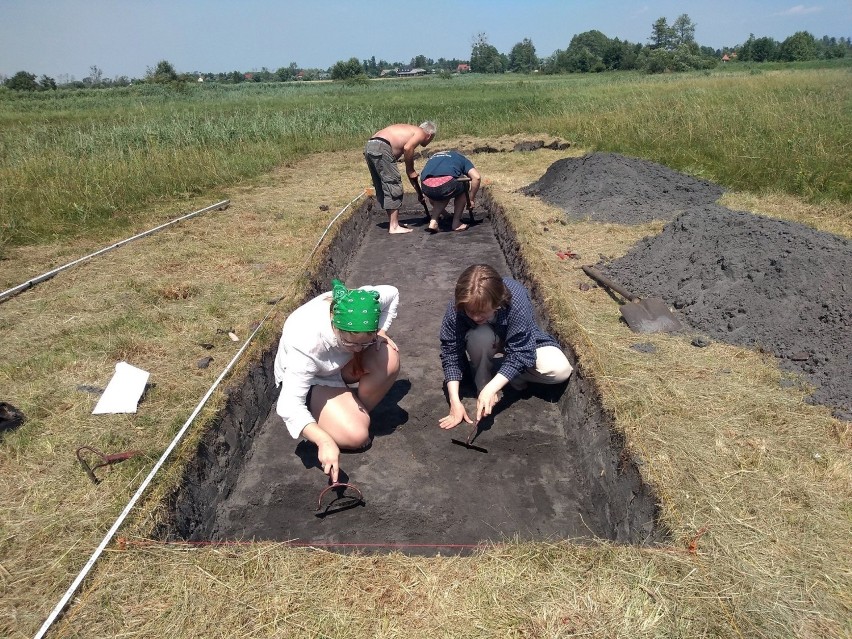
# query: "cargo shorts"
{"points": [[386, 178]]}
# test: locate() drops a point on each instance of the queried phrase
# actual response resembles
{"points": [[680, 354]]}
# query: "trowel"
{"points": [[474, 431]]}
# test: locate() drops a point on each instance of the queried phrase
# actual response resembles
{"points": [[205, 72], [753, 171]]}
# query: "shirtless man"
{"points": [[382, 152]]}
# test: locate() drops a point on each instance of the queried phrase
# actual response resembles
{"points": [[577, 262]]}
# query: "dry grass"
{"points": [[751, 477]]}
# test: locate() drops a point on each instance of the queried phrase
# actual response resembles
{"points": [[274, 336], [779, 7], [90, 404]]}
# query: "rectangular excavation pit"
{"points": [[554, 468]]}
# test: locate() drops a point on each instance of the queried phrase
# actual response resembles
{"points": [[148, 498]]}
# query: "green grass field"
{"points": [[78, 161]]}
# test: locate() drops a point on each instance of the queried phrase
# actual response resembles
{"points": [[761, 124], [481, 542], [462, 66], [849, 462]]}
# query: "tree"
{"points": [[522, 58], [421, 62], [593, 41], [46, 83], [683, 31], [799, 46], [346, 70], [484, 57], [95, 75], [661, 35], [22, 81], [764, 50], [163, 73], [285, 74]]}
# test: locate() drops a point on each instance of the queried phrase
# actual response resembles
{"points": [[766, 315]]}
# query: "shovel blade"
{"points": [[649, 316]]}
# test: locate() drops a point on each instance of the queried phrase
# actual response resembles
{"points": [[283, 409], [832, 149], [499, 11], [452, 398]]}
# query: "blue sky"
{"points": [[64, 38]]}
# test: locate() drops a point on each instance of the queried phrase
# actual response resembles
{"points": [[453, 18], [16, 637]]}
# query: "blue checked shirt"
{"points": [[515, 327]]}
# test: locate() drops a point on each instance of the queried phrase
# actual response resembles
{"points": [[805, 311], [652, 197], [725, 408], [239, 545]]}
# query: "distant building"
{"points": [[463, 68], [407, 73], [249, 76], [725, 58]]}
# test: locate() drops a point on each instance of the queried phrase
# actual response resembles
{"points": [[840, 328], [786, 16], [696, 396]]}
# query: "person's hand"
{"points": [[387, 340], [413, 175], [329, 457], [485, 402], [457, 415]]}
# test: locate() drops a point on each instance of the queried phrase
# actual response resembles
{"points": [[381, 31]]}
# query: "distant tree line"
{"points": [[669, 48]]}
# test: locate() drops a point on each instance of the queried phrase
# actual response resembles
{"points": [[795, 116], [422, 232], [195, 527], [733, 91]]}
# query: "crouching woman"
{"points": [[493, 315], [336, 340]]}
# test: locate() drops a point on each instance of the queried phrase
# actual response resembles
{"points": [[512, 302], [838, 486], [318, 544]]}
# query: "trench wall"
{"points": [[612, 485]]}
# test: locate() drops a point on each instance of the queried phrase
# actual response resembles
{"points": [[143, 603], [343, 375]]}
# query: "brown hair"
{"points": [[479, 287]]}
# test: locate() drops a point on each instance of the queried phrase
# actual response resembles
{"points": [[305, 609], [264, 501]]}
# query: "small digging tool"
{"points": [[649, 315], [416, 184], [343, 500], [474, 431], [105, 460]]}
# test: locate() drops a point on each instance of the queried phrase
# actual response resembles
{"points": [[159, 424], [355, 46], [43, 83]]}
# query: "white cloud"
{"points": [[800, 10]]}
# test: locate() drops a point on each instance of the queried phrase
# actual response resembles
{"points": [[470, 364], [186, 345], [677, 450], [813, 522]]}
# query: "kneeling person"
{"points": [[490, 315], [336, 339], [440, 183]]}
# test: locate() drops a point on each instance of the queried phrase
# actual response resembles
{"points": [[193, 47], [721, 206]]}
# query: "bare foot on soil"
{"points": [[433, 226], [400, 229], [461, 227]]}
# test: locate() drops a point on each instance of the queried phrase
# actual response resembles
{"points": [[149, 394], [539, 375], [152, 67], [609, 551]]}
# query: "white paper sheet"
{"points": [[123, 391]]}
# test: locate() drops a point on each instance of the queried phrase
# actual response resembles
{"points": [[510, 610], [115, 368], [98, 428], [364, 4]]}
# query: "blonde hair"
{"points": [[480, 287]]}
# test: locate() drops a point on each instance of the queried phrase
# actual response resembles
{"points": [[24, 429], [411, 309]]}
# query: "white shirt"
{"points": [[309, 354]]}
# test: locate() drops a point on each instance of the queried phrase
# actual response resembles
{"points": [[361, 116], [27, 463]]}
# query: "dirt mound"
{"points": [[503, 144], [757, 282], [607, 187]]}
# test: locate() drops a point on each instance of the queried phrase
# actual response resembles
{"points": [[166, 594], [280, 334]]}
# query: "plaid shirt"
{"points": [[515, 326]]}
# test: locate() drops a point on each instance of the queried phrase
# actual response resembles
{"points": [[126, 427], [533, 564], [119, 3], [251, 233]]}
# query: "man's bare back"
{"points": [[399, 135]]}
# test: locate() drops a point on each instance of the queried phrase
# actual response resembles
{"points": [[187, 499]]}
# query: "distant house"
{"points": [[300, 75], [201, 78], [385, 72], [725, 58], [249, 76], [407, 73], [463, 68]]}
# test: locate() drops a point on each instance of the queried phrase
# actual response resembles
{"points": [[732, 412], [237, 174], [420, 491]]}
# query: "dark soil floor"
{"points": [[419, 487], [734, 276]]}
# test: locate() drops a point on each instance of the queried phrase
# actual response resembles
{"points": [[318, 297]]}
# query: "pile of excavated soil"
{"points": [[739, 278], [605, 187]]}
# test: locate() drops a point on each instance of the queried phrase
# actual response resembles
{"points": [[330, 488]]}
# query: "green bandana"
{"points": [[355, 311]]}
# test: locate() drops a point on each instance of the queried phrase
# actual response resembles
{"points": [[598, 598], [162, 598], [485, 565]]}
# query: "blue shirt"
{"points": [[450, 163], [515, 326]]}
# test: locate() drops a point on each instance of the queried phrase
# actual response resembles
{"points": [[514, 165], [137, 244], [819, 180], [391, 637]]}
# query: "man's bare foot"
{"points": [[399, 229], [433, 226], [460, 227]]}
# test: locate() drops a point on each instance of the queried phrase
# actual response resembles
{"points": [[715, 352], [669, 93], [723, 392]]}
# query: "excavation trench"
{"points": [[554, 469]]}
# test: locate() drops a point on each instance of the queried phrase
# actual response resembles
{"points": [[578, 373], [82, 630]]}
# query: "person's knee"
{"points": [[356, 433], [384, 360], [556, 370]]}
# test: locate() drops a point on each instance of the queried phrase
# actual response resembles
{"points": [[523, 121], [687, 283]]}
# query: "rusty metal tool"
{"points": [[348, 501], [416, 184], [648, 315], [474, 431], [105, 460]]}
